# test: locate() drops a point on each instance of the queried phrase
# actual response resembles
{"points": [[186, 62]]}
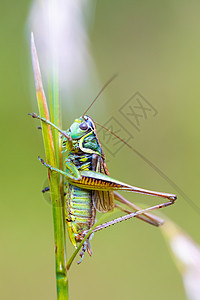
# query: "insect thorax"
{"points": [[83, 161], [83, 151]]}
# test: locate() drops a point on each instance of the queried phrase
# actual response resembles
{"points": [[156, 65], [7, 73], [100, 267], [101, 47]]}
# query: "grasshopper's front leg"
{"points": [[35, 116], [71, 173]]}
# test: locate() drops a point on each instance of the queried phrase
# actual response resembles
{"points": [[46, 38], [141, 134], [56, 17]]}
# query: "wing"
{"points": [[103, 200]]}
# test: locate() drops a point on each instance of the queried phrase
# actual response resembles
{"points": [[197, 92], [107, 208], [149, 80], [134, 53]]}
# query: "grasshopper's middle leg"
{"points": [[70, 169]]}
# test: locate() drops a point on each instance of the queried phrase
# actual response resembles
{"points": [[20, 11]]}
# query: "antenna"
{"points": [[105, 85], [161, 173]]}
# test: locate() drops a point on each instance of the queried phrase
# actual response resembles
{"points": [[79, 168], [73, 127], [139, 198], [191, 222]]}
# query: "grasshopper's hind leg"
{"points": [[147, 217], [86, 247], [143, 218], [131, 215]]}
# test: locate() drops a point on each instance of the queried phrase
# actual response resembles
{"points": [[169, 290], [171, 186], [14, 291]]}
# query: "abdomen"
{"points": [[79, 211]]}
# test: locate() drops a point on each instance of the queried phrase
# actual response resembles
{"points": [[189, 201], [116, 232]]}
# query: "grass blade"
{"points": [[52, 154]]}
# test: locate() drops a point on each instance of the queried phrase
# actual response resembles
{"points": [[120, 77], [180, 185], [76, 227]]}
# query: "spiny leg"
{"points": [[131, 215], [149, 218], [141, 217], [89, 250], [86, 246]]}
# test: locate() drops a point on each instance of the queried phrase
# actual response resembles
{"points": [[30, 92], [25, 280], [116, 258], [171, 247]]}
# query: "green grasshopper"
{"points": [[89, 188]]}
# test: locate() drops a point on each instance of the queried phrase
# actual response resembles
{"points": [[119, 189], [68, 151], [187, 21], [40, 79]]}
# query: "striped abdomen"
{"points": [[80, 212]]}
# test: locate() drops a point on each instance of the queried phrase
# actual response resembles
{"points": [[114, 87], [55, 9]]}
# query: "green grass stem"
{"points": [[53, 157]]}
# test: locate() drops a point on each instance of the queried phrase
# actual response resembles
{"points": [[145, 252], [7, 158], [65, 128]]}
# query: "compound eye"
{"points": [[83, 126]]}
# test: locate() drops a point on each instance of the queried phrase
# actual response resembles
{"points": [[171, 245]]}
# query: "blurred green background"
{"points": [[155, 48]]}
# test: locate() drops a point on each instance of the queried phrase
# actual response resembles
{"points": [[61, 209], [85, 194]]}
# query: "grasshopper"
{"points": [[89, 187]]}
